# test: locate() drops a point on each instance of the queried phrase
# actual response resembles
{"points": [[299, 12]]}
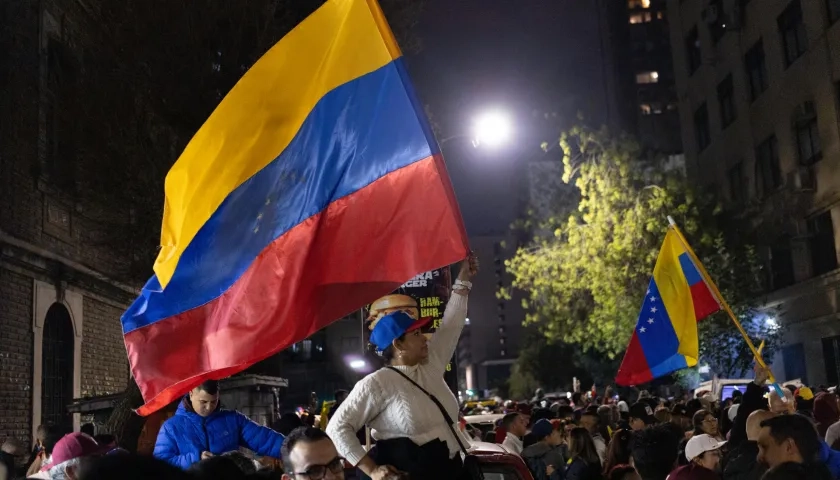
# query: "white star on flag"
{"points": [[652, 299], [642, 329], [653, 310], [650, 321]]}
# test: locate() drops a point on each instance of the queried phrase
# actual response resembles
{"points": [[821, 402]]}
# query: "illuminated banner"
{"points": [[424, 296]]}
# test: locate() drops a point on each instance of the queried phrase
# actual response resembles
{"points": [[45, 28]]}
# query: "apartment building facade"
{"points": [[758, 86]]}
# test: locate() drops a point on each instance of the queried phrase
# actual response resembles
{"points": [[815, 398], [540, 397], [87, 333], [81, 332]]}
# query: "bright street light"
{"points": [[492, 129], [358, 364]]}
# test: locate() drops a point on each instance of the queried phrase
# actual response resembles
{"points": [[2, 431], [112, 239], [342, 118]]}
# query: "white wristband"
{"points": [[463, 283]]}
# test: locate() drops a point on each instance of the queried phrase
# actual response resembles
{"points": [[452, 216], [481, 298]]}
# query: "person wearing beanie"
{"points": [[547, 457], [804, 401], [826, 412]]}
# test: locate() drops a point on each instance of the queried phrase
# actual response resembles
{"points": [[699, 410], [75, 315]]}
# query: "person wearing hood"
{"points": [[201, 429], [546, 458]]}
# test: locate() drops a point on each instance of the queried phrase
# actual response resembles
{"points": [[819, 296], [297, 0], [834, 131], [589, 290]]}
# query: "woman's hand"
{"points": [[549, 470], [469, 267], [384, 472]]}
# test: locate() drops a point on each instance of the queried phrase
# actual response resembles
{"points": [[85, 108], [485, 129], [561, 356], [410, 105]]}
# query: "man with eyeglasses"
{"points": [[308, 453]]}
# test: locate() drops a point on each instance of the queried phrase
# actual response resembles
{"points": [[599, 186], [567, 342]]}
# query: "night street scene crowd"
{"points": [[316, 192], [418, 429]]}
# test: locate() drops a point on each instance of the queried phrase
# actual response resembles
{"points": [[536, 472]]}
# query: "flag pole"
{"points": [[723, 304]]}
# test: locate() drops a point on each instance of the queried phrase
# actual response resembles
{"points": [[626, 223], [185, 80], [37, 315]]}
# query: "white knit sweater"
{"points": [[392, 407]]}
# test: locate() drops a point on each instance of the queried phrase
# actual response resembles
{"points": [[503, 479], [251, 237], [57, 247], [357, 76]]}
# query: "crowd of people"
{"points": [[402, 421], [756, 434]]}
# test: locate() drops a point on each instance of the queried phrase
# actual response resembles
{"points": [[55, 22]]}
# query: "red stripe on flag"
{"points": [[634, 368], [360, 247], [704, 301]]}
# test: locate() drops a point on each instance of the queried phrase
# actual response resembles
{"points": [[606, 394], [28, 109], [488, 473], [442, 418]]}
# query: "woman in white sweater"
{"points": [[411, 432]]}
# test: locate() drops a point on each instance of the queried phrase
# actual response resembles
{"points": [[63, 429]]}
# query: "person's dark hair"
{"points": [[286, 423], [619, 451], [798, 428], [389, 353], [576, 396], [798, 471], [244, 463], [619, 472], [301, 434], [508, 420], [88, 429], [129, 466], [209, 386], [697, 420], [654, 451], [581, 446], [217, 468], [105, 439], [565, 411], [50, 440], [340, 393], [692, 406], [592, 411], [265, 474]]}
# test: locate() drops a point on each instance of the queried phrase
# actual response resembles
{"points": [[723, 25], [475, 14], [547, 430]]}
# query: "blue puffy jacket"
{"points": [[830, 458], [183, 437]]}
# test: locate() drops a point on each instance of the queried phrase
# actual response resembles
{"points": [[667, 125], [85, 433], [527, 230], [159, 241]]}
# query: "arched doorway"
{"points": [[57, 373]]}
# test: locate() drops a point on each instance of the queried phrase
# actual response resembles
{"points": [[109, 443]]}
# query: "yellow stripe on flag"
{"points": [[676, 296], [341, 41]]}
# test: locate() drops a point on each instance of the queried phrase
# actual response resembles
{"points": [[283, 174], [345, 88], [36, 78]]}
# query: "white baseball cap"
{"points": [[700, 444]]}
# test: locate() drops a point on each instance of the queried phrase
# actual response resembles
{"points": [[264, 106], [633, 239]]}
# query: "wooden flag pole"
{"points": [[724, 305]]}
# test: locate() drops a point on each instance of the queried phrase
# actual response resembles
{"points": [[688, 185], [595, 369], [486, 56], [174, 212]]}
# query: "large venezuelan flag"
{"points": [[665, 339], [315, 187]]}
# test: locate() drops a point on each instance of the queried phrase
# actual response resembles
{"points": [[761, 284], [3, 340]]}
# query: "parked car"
{"points": [[481, 425]]}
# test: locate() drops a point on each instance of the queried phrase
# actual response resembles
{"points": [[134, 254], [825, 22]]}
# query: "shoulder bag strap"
{"points": [[440, 406]]}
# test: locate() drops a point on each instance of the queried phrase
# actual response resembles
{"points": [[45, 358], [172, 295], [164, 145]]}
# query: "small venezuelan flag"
{"points": [[665, 339], [315, 187]]}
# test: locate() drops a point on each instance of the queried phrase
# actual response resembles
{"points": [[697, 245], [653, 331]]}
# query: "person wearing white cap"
{"points": [[703, 455]]}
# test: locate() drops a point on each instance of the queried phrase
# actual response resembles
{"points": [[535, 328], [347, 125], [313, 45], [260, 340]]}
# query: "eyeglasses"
{"points": [[318, 472]]}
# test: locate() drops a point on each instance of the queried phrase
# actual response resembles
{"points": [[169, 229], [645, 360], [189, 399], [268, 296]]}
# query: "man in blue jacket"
{"points": [[201, 429]]}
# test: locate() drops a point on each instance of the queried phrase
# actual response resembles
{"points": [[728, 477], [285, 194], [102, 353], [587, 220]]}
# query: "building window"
{"points": [[692, 51], [726, 99], [821, 244], [833, 7], [701, 127], [767, 172], [632, 4], [756, 70], [57, 374], [637, 18], [781, 265], [502, 341], [807, 134], [737, 186], [647, 77], [503, 353], [792, 29], [501, 330], [654, 108], [831, 357], [793, 357]]}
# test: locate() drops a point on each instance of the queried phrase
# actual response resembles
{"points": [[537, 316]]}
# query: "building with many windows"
{"points": [[759, 104], [639, 72]]}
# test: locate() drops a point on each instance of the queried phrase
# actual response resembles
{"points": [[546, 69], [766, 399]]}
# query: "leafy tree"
{"points": [[589, 264], [551, 365]]}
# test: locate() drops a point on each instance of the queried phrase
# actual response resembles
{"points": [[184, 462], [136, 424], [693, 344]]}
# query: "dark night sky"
{"points": [[518, 55]]}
